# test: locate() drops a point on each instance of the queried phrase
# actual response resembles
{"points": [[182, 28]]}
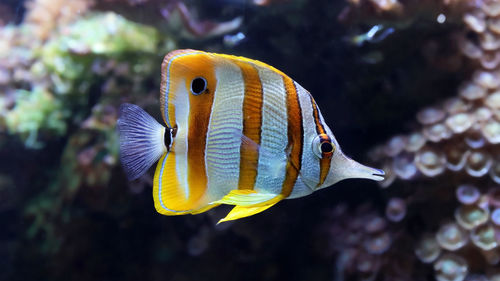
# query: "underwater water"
{"points": [[409, 86]]}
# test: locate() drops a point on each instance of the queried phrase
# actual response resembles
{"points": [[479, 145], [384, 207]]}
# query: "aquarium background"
{"points": [[409, 86]]}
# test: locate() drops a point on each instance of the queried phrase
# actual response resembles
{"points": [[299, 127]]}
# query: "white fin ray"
{"points": [[141, 140]]}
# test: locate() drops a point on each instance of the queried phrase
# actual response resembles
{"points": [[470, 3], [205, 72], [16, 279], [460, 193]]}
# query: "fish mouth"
{"points": [[350, 169], [379, 175]]}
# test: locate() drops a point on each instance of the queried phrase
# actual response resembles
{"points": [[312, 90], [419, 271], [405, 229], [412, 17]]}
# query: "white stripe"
{"points": [[181, 104], [182, 118], [329, 132], [225, 129], [300, 189], [271, 170], [179, 144], [310, 162], [167, 86]]}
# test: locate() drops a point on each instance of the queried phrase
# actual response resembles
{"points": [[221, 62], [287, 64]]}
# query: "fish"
{"points": [[376, 34], [236, 131]]}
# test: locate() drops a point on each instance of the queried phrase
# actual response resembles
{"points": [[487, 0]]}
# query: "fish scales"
{"points": [[295, 137], [274, 140], [228, 105]]}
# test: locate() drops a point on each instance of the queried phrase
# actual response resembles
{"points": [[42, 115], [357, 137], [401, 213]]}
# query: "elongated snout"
{"points": [[346, 168]]}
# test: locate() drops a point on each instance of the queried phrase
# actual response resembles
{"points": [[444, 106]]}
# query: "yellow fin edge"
{"points": [[248, 203], [239, 212]]}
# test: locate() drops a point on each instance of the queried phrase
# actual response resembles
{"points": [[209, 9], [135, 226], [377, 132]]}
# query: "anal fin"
{"points": [[248, 203], [239, 212]]}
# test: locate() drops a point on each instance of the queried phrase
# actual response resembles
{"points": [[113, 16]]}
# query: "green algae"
{"points": [[60, 78], [34, 110], [70, 55]]}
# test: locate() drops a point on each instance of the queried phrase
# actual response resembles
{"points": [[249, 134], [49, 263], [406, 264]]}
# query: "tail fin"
{"points": [[141, 140]]}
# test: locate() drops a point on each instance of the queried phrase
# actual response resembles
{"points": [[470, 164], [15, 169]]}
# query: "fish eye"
{"points": [[198, 85], [323, 146], [326, 147]]}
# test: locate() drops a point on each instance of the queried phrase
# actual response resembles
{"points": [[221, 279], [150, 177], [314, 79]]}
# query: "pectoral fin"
{"points": [[247, 198], [239, 212]]}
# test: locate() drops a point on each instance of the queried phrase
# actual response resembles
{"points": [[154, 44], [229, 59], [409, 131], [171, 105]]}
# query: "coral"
{"points": [[457, 146], [70, 212], [45, 16], [56, 76], [469, 243], [34, 110], [63, 74], [89, 158], [202, 28], [175, 15], [107, 34], [70, 56], [103, 53], [366, 245], [401, 11], [460, 135]]}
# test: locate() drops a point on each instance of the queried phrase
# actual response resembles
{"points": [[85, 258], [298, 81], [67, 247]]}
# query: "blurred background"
{"points": [[410, 86]]}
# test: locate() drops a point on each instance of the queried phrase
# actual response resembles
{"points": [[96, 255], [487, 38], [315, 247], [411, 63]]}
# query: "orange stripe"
{"points": [[319, 127], [182, 70], [324, 168], [252, 122], [200, 108], [324, 163], [295, 137]]}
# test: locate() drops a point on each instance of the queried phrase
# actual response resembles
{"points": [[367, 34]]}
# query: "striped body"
{"points": [[239, 132], [253, 129]]}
